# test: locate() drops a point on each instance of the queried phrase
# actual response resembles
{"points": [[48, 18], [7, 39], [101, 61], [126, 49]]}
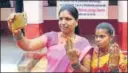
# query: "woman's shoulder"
{"points": [[82, 41], [51, 33], [52, 37], [81, 38]]}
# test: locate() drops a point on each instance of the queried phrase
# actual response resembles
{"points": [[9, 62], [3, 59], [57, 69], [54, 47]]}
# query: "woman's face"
{"points": [[67, 22], [102, 38]]}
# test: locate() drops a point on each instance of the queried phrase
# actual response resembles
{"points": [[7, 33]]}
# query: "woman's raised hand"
{"points": [[72, 53], [14, 18], [10, 20], [114, 55]]}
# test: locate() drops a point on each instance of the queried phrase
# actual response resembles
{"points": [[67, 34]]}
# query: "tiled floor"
{"points": [[10, 54]]}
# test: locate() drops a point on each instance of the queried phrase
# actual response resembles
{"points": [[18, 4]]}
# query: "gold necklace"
{"points": [[64, 38]]}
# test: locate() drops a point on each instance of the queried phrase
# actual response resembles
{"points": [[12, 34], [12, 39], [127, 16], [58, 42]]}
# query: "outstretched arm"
{"points": [[31, 44]]}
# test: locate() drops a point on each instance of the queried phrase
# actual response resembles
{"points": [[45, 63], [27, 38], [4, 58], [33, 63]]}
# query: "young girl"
{"points": [[107, 57]]}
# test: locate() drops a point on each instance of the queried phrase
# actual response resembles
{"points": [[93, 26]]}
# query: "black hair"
{"points": [[73, 11], [108, 26], [77, 30]]}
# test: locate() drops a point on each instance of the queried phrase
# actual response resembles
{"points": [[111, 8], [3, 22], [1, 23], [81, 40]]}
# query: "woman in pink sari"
{"points": [[67, 51]]}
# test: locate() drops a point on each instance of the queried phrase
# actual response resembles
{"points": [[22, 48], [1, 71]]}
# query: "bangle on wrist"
{"points": [[114, 69], [19, 36], [76, 66]]}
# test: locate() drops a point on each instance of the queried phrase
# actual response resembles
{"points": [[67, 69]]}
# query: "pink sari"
{"points": [[56, 55]]}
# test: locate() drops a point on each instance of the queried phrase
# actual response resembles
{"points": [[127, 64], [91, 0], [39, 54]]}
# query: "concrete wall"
{"points": [[51, 23], [50, 13], [5, 12]]}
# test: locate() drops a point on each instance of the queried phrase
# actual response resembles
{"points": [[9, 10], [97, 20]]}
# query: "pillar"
{"points": [[123, 21], [34, 10]]}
